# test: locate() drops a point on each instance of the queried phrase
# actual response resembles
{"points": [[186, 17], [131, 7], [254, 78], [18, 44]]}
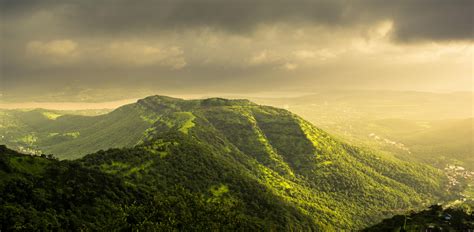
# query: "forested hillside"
{"points": [[71, 136], [210, 163], [433, 128]]}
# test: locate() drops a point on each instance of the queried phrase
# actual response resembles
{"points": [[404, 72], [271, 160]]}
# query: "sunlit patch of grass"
{"points": [[188, 119], [51, 115], [73, 135]]}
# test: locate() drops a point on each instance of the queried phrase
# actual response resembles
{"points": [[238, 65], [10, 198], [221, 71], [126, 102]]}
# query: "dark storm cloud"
{"points": [[413, 19], [428, 19], [198, 43]]}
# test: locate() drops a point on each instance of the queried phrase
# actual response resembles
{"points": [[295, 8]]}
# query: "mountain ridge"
{"points": [[214, 145]]}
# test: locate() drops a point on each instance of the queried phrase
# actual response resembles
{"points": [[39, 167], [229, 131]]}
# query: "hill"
{"points": [[45, 131], [264, 166], [46, 194]]}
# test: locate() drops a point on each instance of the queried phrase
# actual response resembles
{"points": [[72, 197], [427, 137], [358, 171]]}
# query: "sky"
{"points": [[123, 48]]}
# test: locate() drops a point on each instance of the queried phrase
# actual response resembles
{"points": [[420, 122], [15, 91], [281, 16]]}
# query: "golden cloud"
{"points": [[55, 48]]}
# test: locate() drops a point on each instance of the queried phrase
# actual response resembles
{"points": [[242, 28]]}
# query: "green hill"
{"points": [[247, 166], [42, 131]]}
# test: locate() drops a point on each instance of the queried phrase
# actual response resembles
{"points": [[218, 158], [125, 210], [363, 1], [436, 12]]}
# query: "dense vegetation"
{"points": [[41, 131], [211, 163], [434, 128], [433, 219], [45, 194]]}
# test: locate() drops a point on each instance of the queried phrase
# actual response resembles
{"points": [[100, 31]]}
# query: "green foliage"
{"points": [[435, 128], [69, 196], [206, 164], [73, 136], [185, 120], [51, 115]]}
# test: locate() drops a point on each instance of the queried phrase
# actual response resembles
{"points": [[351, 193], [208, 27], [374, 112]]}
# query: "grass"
{"points": [[73, 135], [188, 121], [51, 115]]}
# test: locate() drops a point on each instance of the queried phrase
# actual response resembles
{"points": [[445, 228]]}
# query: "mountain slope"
{"points": [[45, 194], [37, 131], [269, 164], [433, 128]]}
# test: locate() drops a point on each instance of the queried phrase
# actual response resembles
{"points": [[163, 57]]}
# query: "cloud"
{"points": [[272, 59], [427, 20], [413, 20], [123, 53], [264, 58], [143, 54], [230, 44], [311, 56], [305, 54], [290, 66], [54, 48]]}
